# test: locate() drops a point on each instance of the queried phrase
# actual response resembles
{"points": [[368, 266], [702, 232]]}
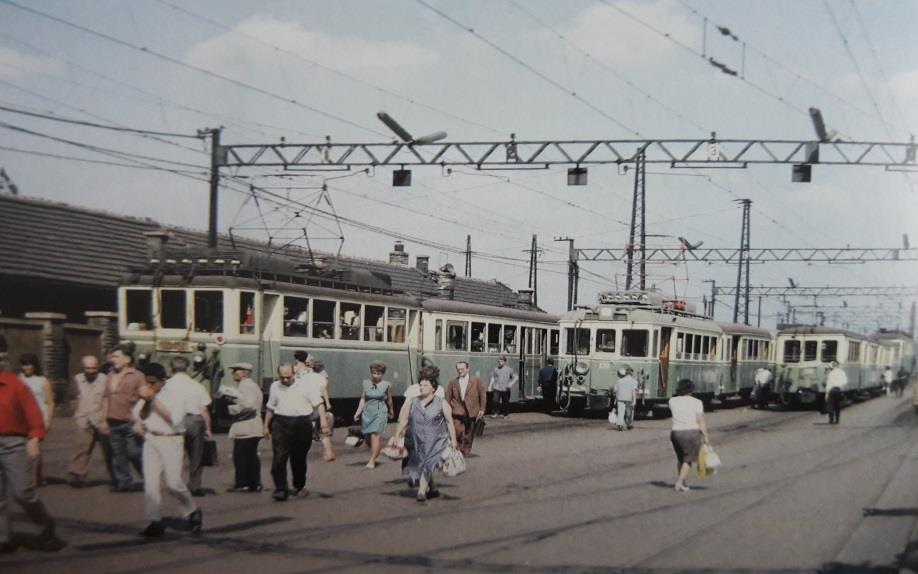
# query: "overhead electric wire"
{"points": [[328, 69], [94, 161], [177, 62], [527, 67], [606, 67], [100, 126]]}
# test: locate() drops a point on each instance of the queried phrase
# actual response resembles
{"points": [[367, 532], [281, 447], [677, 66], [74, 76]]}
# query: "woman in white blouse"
{"points": [[689, 430]]}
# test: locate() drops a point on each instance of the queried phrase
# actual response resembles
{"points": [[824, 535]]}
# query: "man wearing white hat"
{"points": [[246, 431], [625, 396]]}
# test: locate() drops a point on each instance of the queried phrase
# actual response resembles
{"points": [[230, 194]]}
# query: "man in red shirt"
{"points": [[21, 428]]}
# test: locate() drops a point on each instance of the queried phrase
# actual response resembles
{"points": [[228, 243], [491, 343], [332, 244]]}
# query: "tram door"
{"points": [[268, 350], [734, 356], [665, 333]]}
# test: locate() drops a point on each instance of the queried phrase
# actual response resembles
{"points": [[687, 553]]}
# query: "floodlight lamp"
{"points": [[577, 176], [802, 173]]}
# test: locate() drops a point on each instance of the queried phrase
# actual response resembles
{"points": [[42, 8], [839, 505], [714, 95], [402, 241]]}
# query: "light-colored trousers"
{"points": [[16, 485], [163, 456], [625, 412]]}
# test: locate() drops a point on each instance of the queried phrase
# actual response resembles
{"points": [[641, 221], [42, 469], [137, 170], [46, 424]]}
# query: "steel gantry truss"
{"points": [[733, 254], [710, 152], [827, 291]]}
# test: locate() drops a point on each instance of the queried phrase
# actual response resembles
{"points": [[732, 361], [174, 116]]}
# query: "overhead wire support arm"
{"points": [[732, 254], [833, 291], [699, 153]]}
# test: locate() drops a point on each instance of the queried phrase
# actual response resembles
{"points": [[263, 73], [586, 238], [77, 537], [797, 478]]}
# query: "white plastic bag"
{"points": [[395, 449], [711, 459], [613, 417], [452, 462]]}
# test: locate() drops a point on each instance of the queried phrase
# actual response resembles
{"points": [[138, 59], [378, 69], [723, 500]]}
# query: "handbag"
{"points": [[395, 449], [711, 458], [209, 457], [478, 427], [452, 462]]}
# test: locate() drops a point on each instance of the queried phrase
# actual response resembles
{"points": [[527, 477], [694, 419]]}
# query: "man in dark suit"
{"points": [[467, 397]]}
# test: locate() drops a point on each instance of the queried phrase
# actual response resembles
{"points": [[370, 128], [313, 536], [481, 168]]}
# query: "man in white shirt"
{"points": [[887, 380], [288, 423], [625, 397], [159, 416], [836, 382], [763, 378], [89, 416], [196, 420]]}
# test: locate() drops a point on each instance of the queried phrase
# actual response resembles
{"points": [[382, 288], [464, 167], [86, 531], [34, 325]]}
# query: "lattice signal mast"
{"points": [[742, 271]]}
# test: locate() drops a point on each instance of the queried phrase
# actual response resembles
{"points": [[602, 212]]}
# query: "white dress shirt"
{"points": [[171, 397], [463, 386], [298, 399], [196, 397]]}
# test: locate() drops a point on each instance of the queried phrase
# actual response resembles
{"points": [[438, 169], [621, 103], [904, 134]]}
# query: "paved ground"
{"points": [[543, 494]]}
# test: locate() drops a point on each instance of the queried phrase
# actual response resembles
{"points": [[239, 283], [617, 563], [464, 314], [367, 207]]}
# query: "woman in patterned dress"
{"points": [[425, 420], [375, 409]]}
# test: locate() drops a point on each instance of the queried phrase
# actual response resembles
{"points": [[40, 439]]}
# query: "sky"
{"points": [[303, 70]]}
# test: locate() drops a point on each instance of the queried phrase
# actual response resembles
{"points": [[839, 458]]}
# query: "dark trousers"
{"points": [[291, 439], [194, 448], [549, 396], [500, 402], [762, 394], [833, 406], [247, 463], [127, 451]]}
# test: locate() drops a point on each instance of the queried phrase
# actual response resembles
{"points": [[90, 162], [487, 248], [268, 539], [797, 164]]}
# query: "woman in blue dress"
{"points": [[427, 420], [375, 409]]}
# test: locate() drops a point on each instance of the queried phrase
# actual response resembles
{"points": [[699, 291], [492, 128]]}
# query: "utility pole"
{"points": [[911, 322], [573, 272], [713, 300], [468, 255], [534, 252], [758, 321], [217, 158], [742, 273], [638, 232]]}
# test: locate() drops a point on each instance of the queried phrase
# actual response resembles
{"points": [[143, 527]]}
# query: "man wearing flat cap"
{"points": [[246, 432]]}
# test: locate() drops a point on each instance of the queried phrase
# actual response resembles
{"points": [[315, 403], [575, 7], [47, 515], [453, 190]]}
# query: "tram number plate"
{"points": [[174, 346]]}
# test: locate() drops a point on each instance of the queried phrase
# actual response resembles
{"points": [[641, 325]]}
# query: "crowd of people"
{"points": [[146, 421]]}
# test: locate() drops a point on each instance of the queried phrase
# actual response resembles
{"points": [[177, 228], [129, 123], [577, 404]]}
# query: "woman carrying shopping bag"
{"points": [[689, 431]]}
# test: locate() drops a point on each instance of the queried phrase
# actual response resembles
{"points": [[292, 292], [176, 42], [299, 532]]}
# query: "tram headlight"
{"points": [[581, 368]]}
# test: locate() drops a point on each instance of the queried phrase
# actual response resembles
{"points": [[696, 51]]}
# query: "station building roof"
{"points": [[53, 242]]}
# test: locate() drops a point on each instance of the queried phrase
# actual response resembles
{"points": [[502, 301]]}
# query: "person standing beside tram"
{"points": [[197, 422], [836, 382], [548, 383], [887, 378], [467, 399], [503, 377], [246, 431], [763, 379], [625, 398]]}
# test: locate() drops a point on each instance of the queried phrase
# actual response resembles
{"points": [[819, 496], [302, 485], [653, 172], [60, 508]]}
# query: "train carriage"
{"points": [[662, 341], [459, 331], [746, 349], [804, 355], [899, 350]]}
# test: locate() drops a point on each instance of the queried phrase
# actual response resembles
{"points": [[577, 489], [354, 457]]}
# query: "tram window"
{"points": [[373, 323], [438, 335], [712, 353], [456, 335], [296, 317], [396, 325], [208, 311], [635, 342], [828, 351], [528, 332], [705, 346], [246, 313], [139, 309], [680, 345], [478, 337], [791, 351], [349, 321], [510, 339], [605, 340], [172, 313], [554, 342], [323, 319], [579, 344], [766, 350], [809, 350], [494, 337], [542, 343], [656, 344]]}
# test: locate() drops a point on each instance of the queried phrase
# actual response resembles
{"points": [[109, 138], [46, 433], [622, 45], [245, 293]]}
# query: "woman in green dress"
{"points": [[375, 409]]}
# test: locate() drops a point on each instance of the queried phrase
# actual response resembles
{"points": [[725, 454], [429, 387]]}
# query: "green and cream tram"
{"points": [[804, 356], [899, 350], [660, 340], [746, 350]]}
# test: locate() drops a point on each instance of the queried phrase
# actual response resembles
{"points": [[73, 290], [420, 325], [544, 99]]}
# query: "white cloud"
{"points": [[612, 37], [14, 64], [232, 53]]}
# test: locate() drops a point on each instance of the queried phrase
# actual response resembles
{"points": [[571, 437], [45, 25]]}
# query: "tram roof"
{"points": [[740, 329], [642, 315], [887, 335], [820, 330], [452, 306], [53, 242]]}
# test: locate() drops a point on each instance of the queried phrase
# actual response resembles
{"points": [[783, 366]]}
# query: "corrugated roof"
{"points": [[54, 241]]}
